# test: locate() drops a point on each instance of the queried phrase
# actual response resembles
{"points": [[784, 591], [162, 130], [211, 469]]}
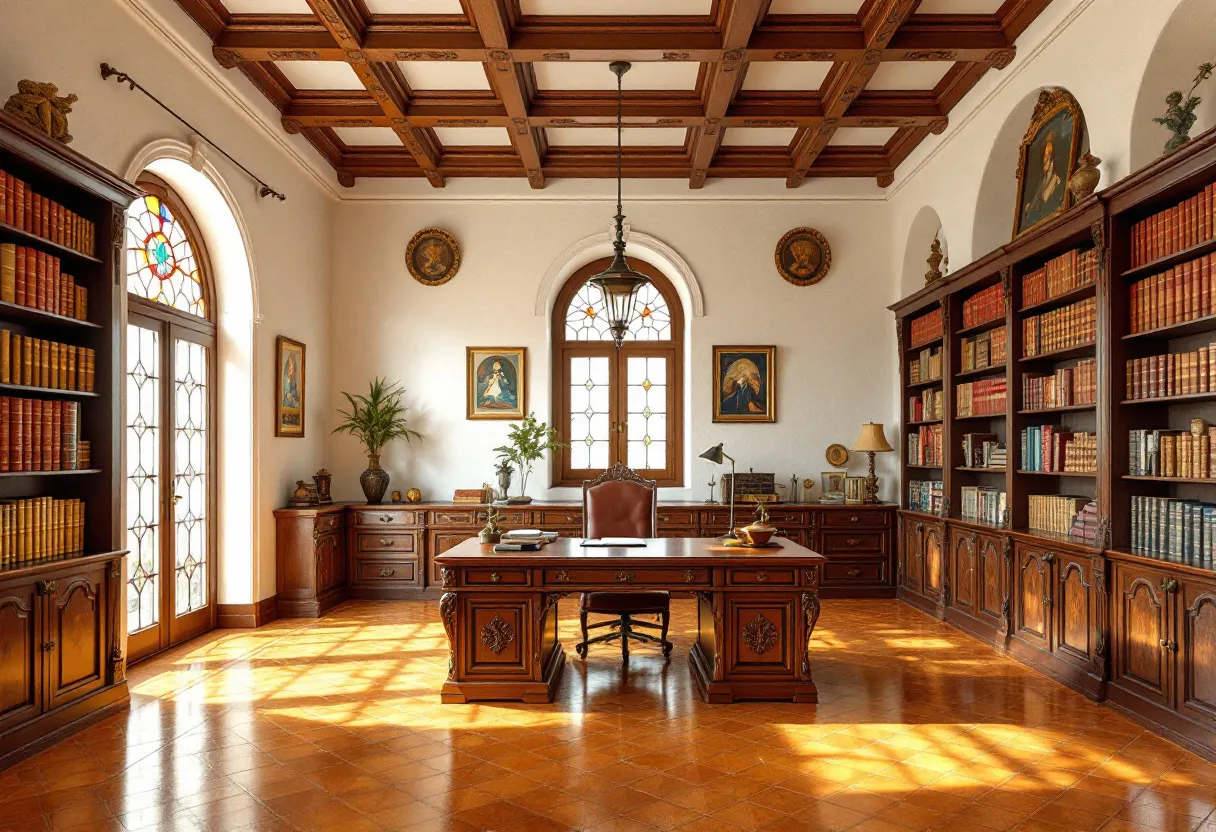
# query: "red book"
{"points": [[4, 433], [35, 435], [27, 224], [48, 442], [56, 438], [27, 435], [36, 215], [40, 280], [16, 430], [10, 187]]}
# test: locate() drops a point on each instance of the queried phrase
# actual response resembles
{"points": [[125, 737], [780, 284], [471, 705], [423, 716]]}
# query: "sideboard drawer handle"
{"points": [[570, 518], [625, 577], [853, 518], [562, 577], [853, 573], [688, 576], [761, 577], [384, 541], [852, 541], [386, 518], [386, 572], [666, 518], [495, 577]]}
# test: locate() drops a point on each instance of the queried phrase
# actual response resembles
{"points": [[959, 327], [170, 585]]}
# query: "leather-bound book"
{"points": [[40, 280], [73, 383], [48, 436], [27, 435], [44, 361], [6, 355], [19, 276], [8, 272], [54, 362], [4, 433], [56, 436], [70, 435], [35, 435], [91, 372]]}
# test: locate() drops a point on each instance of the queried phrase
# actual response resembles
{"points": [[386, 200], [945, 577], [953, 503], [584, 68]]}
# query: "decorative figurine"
{"points": [[1084, 180], [1180, 117], [713, 483], [396, 496], [491, 533], [934, 262], [322, 479], [794, 488], [300, 496], [504, 471], [413, 495], [40, 106]]}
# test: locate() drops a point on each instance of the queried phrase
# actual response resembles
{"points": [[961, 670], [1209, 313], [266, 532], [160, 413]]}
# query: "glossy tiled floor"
{"points": [[335, 725]]}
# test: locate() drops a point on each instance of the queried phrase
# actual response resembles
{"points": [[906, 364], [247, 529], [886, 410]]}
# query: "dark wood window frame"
{"points": [[562, 350]]}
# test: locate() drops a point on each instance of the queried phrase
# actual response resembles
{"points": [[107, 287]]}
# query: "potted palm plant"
{"points": [[527, 442], [375, 420]]}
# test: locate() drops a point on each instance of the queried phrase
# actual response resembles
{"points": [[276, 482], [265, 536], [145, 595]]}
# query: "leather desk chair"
{"points": [[619, 503]]}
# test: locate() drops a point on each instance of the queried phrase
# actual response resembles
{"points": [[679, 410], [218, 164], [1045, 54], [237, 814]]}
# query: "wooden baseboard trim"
{"points": [[247, 616]]}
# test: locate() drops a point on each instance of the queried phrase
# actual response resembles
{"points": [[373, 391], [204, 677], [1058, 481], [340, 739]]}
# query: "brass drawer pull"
{"points": [[386, 518], [1169, 644], [48, 647], [562, 577], [625, 577], [1047, 601], [495, 577], [761, 577], [852, 541], [853, 573], [666, 518], [387, 573], [384, 541], [688, 576], [571, 518], [854, 518]]}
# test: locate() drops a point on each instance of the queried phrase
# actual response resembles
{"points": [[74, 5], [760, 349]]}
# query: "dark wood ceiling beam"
{"points": [[512, 85], [210, 16]]}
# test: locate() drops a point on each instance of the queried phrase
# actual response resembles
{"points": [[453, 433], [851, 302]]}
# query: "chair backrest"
{"points": [[619, 503]]}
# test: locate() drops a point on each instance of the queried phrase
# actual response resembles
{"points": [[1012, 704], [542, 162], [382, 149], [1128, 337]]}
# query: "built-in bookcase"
{"points": [[922, 371]]}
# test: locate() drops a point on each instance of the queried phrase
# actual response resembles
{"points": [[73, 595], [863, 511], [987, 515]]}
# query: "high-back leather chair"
{"points": [[619, 503]]}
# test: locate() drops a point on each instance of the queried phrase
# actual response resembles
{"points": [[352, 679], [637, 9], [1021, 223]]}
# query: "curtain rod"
{"points": [[264, 190]]}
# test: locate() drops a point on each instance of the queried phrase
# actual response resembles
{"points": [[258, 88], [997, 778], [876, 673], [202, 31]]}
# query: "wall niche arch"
{"points": [[925, 226]]}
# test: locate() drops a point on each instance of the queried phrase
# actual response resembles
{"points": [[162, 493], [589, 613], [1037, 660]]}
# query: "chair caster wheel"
{"points": [[667, 650], [581, 650]]}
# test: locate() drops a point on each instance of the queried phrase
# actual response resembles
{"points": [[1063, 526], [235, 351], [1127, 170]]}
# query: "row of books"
{"points": [[988, 349], [1174, 528], [926, 328], [1059, 276], [927, 366], [38, 528], [1060, 329], [925, 495], [1054, 449], [1178, 227], [985, 397], [1085, 526], [35, 279], [1177, 295], [1066, 387], [983, 503], [38, 435], [36, 362], [1174, 374], [1054, 512], [21, 208], [983, 450], [984, 306], [1173, 453], [927, 406], [925, 445]]}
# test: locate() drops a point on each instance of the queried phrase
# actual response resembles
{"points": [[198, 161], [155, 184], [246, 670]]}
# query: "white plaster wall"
{"points": [[835, 340], [65, 42]]}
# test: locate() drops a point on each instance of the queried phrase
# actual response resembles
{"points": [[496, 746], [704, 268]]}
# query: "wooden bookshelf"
{"points": [[70, 634]]}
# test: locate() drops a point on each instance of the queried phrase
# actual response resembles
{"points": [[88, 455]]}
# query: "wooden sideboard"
{"points": [[326, 554]]}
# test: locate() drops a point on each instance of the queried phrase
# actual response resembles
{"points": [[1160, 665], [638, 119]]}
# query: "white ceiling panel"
{"points": [[759, 136], [873, 136], [593, 75], [958, 6], [606, 136], [414, 7], [267, 7], [786, 75], [625, 7], [815, 6], [444, 75], [368, 136], [908, 75], [453, 136], [320, 75]]}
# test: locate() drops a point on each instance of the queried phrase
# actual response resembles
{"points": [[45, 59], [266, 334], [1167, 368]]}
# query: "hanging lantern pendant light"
{"points": [[618, 283]]}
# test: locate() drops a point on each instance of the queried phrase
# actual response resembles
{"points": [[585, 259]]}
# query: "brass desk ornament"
{"points": [[491, 533]]}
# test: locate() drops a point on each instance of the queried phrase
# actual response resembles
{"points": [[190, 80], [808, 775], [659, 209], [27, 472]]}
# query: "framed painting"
{"points": [[432, 257], [745, 384], [289, 388], [1048, 158], [496, 382], [803, 256]]}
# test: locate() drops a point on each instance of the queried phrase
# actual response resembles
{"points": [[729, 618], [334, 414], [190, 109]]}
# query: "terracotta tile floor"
{"points": [[335, 725]]}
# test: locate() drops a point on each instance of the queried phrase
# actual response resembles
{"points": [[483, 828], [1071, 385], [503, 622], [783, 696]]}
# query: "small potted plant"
{"points": [[375, 420], [527, 443]]}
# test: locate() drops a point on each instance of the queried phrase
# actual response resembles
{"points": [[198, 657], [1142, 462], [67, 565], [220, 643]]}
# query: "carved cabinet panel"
{"points": [[760, 625], [934, 560], [496, 635], [991, 578], [912, 555], [1143, 660], [1033, 601], [963, 571], [331, 560], [1074, 613], [74, 641], [1197, 649], [20, 654]]}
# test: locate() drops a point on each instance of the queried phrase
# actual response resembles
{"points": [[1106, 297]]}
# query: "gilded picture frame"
{"points": [[432, 257], [745, 384], [803, 256], [496, 382], [1047, 159], [289, 387]]}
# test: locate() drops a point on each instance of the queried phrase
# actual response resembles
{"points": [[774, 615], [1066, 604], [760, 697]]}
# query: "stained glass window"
{"points": [[587, 320], [161, 264], [646, 412], [143, 477], [590, 422], [190, 476]]}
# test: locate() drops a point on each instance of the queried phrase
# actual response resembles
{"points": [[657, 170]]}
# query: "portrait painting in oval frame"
{"points": [[803, 256], [432, 256]]}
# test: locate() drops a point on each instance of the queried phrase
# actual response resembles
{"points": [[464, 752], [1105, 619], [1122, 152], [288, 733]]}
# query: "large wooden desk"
{"points": [[756, 611]]}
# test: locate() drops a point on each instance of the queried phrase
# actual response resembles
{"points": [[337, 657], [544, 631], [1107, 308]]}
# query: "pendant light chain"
{"points": [[620, 217]]}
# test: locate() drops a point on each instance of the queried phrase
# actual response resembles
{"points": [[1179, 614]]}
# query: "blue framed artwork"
{"points": [[496, 383], [745, 384]]}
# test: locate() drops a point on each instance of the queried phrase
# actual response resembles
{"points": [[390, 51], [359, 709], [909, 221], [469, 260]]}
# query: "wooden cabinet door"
{"points": [[934, 560], [74, 638], [990, 578], [1143, 662], [1033, 602], [963, 570], [20, 655], [912, 554], [1073, 614], [324, 551], [1196, 656], [440, 543]]}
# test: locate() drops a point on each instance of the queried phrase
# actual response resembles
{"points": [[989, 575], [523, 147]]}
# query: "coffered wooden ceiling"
{"points": [[785, 89]]}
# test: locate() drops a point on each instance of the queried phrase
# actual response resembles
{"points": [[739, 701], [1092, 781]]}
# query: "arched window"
{"points": [[621, 405], [169, 410]]}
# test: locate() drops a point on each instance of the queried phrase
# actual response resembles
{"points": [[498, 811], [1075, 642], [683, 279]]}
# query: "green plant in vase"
{"points": [[527, 442], [375, 420]]}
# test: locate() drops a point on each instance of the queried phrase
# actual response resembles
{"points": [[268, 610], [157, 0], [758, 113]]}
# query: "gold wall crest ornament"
{"points": [[432, 256], [934, 262], [40, 106], [803, 256]]}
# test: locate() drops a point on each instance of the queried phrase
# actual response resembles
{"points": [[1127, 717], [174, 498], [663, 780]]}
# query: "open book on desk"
{"points": [[605, 542]]}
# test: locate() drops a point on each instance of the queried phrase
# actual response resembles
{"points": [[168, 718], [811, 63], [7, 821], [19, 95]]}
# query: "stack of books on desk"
{"points": [[524, 540]]}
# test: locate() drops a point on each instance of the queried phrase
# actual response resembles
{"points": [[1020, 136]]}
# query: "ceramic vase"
{"points": [[1084, 180], [374, 480]]}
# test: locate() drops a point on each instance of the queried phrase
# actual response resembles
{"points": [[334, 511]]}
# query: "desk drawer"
{"points": [[551, 518], [366, 542], [860, 518], [386, 571], [856, 542], [759, 575], [496, 577], [661, 578], [678, 516], [386, 518], [327, 522], [855, 572]]}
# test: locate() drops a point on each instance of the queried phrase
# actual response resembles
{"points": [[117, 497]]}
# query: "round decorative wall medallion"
{"points": [[433, 257], [803, 256], [838, 456]]}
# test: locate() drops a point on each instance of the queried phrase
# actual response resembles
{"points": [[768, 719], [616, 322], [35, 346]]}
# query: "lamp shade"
{"points": [[619, 286], [872, 439], [714, 454]]}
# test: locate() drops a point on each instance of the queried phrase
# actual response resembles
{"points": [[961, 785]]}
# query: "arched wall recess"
{"points": [[924, 227]]}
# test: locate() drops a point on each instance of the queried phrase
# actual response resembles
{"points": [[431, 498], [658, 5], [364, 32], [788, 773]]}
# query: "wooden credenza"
{"points": [[329, 553]]}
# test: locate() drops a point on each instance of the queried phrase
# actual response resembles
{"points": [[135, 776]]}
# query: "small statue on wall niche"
{"points": [[935, 260], [1179, 115], [39, 105]]}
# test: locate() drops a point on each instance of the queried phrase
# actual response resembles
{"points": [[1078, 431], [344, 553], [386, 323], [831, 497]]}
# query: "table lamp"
{"points": [[716, 456], [871, 441]]}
